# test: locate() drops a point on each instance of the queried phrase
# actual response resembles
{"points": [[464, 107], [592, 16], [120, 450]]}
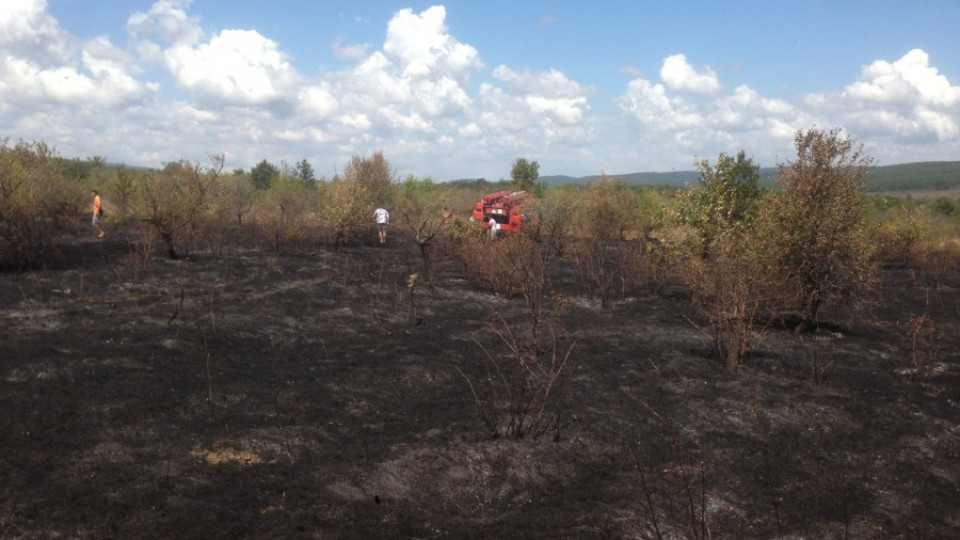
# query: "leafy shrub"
{"points": [[727, 195], [899, 236], [175, 201], [36, 201], [814, 231], [285, 213], [346, 207], [919, 237], [558, 213]]}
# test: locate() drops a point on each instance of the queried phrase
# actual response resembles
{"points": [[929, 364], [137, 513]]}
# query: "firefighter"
{"points": [[493, 229]]}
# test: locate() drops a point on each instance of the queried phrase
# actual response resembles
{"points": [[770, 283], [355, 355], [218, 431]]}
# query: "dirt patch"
{"points": [[221, 455], [307, 395]]}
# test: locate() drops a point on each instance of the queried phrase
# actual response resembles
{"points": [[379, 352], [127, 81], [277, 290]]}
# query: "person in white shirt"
{"points": [[382, 218], [494, 228]]}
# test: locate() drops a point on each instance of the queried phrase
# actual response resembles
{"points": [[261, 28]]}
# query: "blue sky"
{"points": [[460, 89]]}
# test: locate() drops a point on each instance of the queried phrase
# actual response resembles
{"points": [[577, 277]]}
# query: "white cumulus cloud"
{"points": [[680, 76], [423, 45], [910, 79], [907, 98], [235, 67], [669, 124], [27, 30], [549, 94], [168, 21], [42, 66]]}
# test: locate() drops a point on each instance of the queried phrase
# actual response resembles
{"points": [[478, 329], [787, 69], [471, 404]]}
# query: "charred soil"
{"points": [[241, 393]]}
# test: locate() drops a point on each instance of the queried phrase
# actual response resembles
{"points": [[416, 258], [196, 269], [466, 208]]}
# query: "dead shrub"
{"points": [[512, 266], [597, 267], [518, 395], [346, 208], [674, 485], [226, 207], [520, 392], [501, 265], [820, 364], [423, 214], [557, 216], [922, 331], [924, 339], [141, 250]]}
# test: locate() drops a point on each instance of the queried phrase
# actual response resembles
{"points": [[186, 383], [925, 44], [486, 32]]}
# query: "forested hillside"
{"points": [[930, 175]]}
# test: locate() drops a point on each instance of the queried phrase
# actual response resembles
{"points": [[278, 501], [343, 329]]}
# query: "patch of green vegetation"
{"points": [[929, 175]]}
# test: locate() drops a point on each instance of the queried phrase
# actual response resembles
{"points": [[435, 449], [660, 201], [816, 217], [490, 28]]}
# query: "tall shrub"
{"points": [[174, 202], [815, 229], [36, 200]]}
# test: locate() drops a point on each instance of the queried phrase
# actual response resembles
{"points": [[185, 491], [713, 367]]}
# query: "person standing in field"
{"points": [[97, 213], [382, 218]]}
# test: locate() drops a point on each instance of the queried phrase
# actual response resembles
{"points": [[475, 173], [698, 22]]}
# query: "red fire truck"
{"points": [[503, 207]]}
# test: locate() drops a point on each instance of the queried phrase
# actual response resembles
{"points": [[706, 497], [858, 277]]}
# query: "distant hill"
{"points": [[671, 179], [928, 175], [675, 179]]}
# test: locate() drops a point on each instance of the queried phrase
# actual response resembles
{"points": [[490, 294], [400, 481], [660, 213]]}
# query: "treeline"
{"points": [[744, 251]]}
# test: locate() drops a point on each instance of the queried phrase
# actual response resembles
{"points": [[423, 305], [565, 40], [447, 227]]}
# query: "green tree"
{"points": [[815, 231], [525, 173], [304, 171], [264, 174], [727, 195]]}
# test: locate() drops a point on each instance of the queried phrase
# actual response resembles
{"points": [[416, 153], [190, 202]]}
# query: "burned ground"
{"points": [[246, 394]]}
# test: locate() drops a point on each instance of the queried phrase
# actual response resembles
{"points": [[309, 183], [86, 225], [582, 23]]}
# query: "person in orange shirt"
{"points": [[97, 213]]}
